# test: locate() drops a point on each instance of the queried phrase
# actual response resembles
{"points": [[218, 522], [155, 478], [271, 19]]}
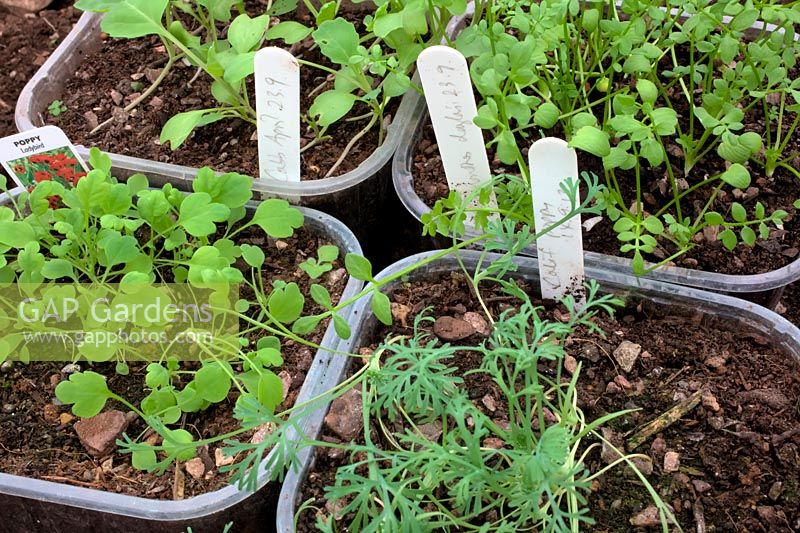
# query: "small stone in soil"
{"points": [[591, 352], [281, 245], [99, 433], [643, 464], [623, 382], [493, 443], [716, 422], [344, 417], [71, 369], [613, 388], [716, 362], [478, 323], [489, 403], [196, 468], [400, 312], [261, 433], [607, 453], [570, 364], [659, 446], [449, 328], [626, 354], [672, 461], [432, 430], [6, 367], [65, 418], [335, 276], [220, 459], [700, 485], [773, 398], [51, 412], [286, 380], [775, 491], [647, 518], [710, 401]]}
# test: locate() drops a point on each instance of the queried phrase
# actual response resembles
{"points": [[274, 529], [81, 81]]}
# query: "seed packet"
{"points": [[41, 154]]}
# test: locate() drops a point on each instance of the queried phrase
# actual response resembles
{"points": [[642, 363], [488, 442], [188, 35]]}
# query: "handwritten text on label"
{"points": [[278, 107], [451, 104], [560, 251]]}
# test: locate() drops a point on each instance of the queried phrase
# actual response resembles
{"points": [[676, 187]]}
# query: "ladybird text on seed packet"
{"points": [[41, 154]]}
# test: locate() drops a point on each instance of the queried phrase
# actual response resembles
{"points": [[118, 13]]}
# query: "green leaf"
{"points": [[321, 295], [382, 307], [253, 255], [638, 263], [358, 266], [118, 249], [653, 225], [270, 390], [179, 127], [736, 176], [198, 214], [341, 326], [157, 376], [177, 30], [130, 19], [647, 90], [231, 189], [738, 212], [213, 382], [714, 219], [728, 238], [592, 140], [546, 115], [306, 324], [16, 234], [328, 253], [330, 106], [239, 68], [58, 268], [245, 33], [326, 12], [178, 442], [289, 31], [144, 459], [86, 391], [386, 23], [136, 183], [277, 218], [285, 304], [748, 235], [338, 40]]}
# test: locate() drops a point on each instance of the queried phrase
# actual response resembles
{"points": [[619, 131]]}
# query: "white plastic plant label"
{"points": [[278, 108], [41, 154], [451, 104], [560, 251]]}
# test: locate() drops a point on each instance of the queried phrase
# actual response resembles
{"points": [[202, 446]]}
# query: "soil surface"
{"points": [[789, 305], [25, 44], [737, 450], [119, 70], [779, 192], [37, 437]]}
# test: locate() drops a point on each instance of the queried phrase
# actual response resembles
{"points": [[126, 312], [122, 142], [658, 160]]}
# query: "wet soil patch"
{"points": [[37, 435], [25, 43], [737, 451]]}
